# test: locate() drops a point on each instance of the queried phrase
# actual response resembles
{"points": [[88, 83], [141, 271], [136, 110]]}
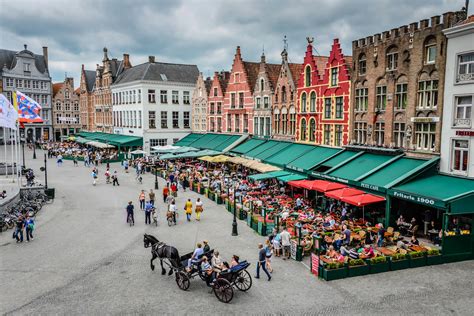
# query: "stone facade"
{"points": [[86, 100], [263, 91], [398, 86], [199, 101], [216, 101], [285, 99], [28, 73], [66, 113], [324, 89]]}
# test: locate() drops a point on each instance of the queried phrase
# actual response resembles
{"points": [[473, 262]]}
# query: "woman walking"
{"points": [[268, 256], [188, 208], [198, 209]]}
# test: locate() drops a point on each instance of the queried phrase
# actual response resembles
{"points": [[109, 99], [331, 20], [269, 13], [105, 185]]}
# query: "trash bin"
{"points": [[50, 193]]}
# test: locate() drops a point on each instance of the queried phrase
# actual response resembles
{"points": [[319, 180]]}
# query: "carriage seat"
{"points": [[184, 259]]}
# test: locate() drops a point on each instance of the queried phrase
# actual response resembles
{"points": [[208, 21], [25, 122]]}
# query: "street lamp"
{"points": [[23, 151], [234, 222], [45, 169], [34, 149]]}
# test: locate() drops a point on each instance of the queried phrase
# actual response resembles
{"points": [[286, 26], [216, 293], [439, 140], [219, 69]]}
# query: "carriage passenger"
{"points": [[198, 252]]}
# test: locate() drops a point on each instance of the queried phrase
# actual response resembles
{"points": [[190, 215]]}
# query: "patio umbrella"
{"points": [[138, 152], [324, 186], [345, 192], [164, 149]]}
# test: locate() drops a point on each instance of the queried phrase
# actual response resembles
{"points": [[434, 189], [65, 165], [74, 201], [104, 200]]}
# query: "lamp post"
{"points": [[34, 149], [234, 222], [45, 169], [156, 178], [23, 151]]}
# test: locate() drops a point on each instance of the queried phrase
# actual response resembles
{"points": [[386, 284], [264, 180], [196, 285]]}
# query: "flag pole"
{"points": [[5, 151], [13, 153]]}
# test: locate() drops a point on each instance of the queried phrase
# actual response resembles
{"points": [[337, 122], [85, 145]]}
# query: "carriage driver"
{"points": [[198, 252]]}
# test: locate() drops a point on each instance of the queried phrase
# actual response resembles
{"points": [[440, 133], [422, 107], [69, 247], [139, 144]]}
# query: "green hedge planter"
{"points": [[379, 267], [242, 214], [358, 270], [262, 229], [249, 220], [254, 225], [219, 200], [334, 274], [417, 262], [399, 264], [433, 260]]}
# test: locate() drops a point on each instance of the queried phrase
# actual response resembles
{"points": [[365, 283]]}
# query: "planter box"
{"points": [[358, 270], [262, 229], [242, 214], [201, 190], [219, 200], [249, 220], [379, 267], [334, 274], [433, 260], [417, 262], [254, 225], [399, 264]]}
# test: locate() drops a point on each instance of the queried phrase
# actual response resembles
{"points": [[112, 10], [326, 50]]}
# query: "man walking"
{"points": [[29, 227], [130, 212], [152, 197], [148, 209], [115, 179], [285, 242], [141, 198], [261, 262], [166, 192], [20, 223]]}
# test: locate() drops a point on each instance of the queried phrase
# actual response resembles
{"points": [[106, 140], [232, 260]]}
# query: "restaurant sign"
{"points": [[418, 199], [328, 177], [464, 133], [425, 119], [295, 168], [314, 264]]}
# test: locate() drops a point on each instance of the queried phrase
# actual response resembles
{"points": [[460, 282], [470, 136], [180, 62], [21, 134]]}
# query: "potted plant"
{"points": [[357, 267], [399, 261], [379, 264], [334, 271], [417, 259], [433, 256]]}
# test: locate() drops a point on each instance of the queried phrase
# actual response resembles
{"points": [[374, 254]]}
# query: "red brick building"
{"points": [[215, 101], [324, 86], [238, 107]]}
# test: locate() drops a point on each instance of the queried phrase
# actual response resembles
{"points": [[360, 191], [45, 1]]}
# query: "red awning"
{"points": [[341, 193], [324, 186], [298, 183], [363, 199]]}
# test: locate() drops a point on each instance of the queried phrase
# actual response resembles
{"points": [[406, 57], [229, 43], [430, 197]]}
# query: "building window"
{"points": [[134, 94], [229, 122], [428, 94], [312, 102], [66, 94], [303, 102], [327, 108], [152, 120], [58, 106], [465, 67], [219, 124], [19, 83], [284, 123], [460, 158], [308, 76], [258, 103], [28, 84], [266, 102], [327, 134], [35, 84], [292, 123], [430, 51], [215, 92], [255, 125], [362, 65], [212, 124], [76, 106], [26, 67], [164, 96], [379, 133], [219, 107], [362, 99], [283, 94], [139, 119], [361, 132], [381, 98], [186, 119], [175, 97], [158, 142], [151, 96], [268, 126], [232, 100], [246, 123], [338, 135], [276, 123], [139, 95], [211, 108], [262, 126], [312, 130], [399, 134], [175, 119], [334, 76], [303, 129], [401, 96], [425, 136], [392, 59], [463, 111], [339, 107], [67, 106], [241, 100], [186, 97], [237, 123], [164, 119], [262, 84], [9, 82]]}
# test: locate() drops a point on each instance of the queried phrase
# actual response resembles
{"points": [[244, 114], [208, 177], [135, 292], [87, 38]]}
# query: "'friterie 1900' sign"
{"points": [[418, 199]]}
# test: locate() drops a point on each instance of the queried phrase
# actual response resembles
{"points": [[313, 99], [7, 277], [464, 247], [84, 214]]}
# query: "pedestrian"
{"points": [[174, 189], [74, 160], [107, 176], [129, 209], [268, 255], [141, 199], [94, 177], [166, 192], [285, 242], [59, 160], [148, 209], [151, 195], [115, 178], [172, 209], [20, 224], [262, 262], [206, 246], [198, 209], [125, 165], [188, 208], [29, 227]]}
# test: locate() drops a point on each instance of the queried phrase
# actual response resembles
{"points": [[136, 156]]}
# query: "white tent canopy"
{"points": [[164, 149], [138, 152], [99, 144]]}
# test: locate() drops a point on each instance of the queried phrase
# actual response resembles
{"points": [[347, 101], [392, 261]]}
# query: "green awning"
{"points": [[288, 154], [292, 177], [203, 141], [359, 166], [267, 149], [248, 145], [268, 175], [227, 141], [190, 154], [438, 191], [188, 139], [312, 158], [81, 140], [259, 149], [113, 139], [334, 161]]}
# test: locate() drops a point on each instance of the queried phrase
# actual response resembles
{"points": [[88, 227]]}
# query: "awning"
{"points": [[226, 141], [260, 167], [363, 199], [99, 145], [334, 161], [113, 139], [291, 177], [312, 158], [164, 149], [341, 193], [219, 158], [298, 183], [237, 160], [268, 175], [325, 186], [205, 158], [359, 166], [288, 154], [81, 140], [275, 148], [190, 154], [188, 139], [248, 145], [138, 152]]}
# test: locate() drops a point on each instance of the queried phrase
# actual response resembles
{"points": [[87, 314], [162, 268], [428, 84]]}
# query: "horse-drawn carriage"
{"points": [[222, 285]]}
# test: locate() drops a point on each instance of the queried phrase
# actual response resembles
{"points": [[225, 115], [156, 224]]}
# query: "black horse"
{"points": [[161, 250]]}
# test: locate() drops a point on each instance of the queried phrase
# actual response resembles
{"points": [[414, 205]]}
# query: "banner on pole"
{"points": [[28, 109], [8, 114]]}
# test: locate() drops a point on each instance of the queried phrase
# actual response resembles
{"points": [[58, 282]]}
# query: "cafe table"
{"points": [[385, 251]]}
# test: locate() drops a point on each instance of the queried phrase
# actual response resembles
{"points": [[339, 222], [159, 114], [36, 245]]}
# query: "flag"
{"points": [[28, 108], [8, 114]]}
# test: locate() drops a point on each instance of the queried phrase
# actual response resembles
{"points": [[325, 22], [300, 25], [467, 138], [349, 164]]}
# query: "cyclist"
{"points": [[172, 209], [129, 209]]}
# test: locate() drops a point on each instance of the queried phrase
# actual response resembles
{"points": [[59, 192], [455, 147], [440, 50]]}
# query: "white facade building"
{"points": [[153, 101], [457, 146]]}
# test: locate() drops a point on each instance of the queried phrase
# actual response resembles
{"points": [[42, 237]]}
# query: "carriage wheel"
{"points": [[243, 281], [223, 290], [182, 280]]}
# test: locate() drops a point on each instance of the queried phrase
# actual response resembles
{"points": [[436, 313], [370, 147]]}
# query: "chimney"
{"points": [[151, 59], [45, 55], [126, 61]]}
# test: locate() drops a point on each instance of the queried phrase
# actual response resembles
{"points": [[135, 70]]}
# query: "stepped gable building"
{"points": [[324, 87], [86, 100], [216, 101], [238, 107], [398, 86], [199, 102], [285, 99], [263, 91], [66, 113]]}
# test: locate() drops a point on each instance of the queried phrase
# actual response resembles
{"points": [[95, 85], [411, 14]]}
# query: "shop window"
{"points": [[460, 156]]}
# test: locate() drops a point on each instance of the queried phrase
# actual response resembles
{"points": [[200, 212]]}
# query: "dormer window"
{"points": [[26, 67], [262, 84]]}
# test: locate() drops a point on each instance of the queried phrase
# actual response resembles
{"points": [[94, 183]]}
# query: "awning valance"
{"points": [[99, 145], [291, 177], [268, 175]]}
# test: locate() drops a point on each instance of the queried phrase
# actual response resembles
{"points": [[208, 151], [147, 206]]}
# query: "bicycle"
{"points": [[130, 220], [171, 218]]}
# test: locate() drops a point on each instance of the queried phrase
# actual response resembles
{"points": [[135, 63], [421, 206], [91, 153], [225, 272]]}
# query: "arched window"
{"points": [[312, 130], [308, 76], [262, 85], [303, 129], [312, 104], [283, 94], [430, 50], [392, 58], [362, 63], [303, 102]]}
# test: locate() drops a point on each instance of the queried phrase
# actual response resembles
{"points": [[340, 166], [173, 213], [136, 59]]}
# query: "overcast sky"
{"points": [[201, 32]]}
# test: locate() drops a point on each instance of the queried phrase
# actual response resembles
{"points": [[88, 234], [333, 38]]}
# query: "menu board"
{"points": [[314, 264], [293, 248]]}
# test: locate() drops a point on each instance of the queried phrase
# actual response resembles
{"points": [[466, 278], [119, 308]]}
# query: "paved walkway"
{"points": [[86, 260]]}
